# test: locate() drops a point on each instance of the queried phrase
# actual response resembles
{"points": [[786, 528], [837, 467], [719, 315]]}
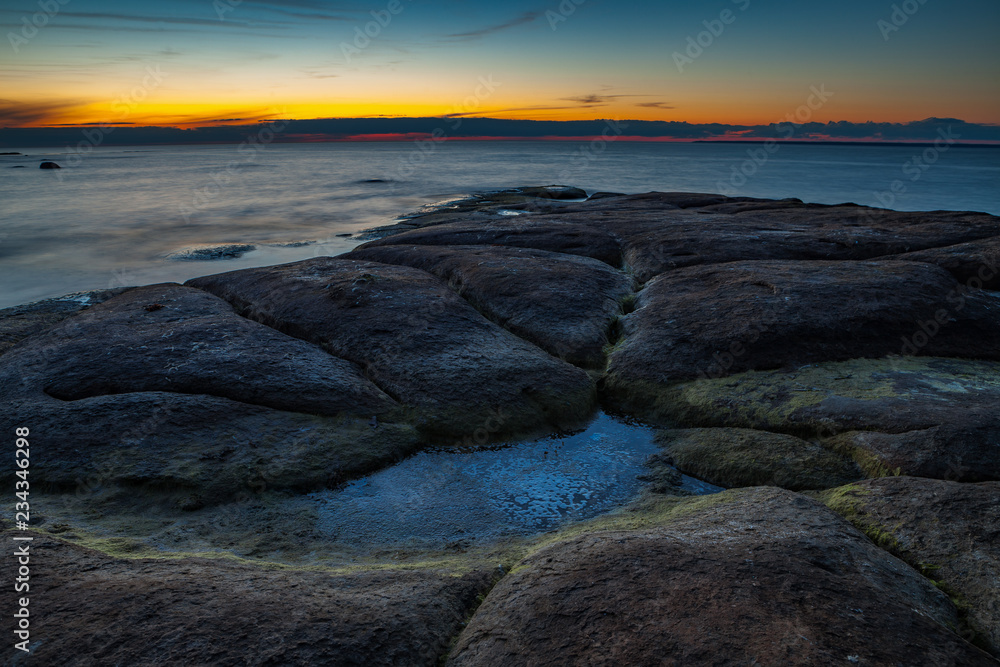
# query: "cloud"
{"points": [[526, 17], [311, 16], [14, 114], [507, 110], [597, 99], [316, 74], [655, 105], [589, 100], [102, 16]]}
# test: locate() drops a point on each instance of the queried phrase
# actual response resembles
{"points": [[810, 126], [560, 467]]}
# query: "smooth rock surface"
{"points": [[177, 339], [165, 386], [761, 576], [713, 321], [417, 340], [19, 322], [948, 531], [521, 232], [975, 264], [212, 449], [659, 231], [565, 304], [89, 608]]}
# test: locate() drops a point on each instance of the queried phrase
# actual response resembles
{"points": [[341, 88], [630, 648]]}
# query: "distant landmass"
{"points": [[463, 128]]}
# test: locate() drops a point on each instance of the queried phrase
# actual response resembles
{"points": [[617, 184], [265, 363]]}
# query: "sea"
{"points": [[119, 216]]}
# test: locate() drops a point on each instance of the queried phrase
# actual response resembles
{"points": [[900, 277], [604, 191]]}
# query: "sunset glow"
{"points": [[187, 63]]}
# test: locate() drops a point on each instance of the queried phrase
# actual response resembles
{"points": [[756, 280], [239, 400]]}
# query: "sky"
{"points": [[195, 63]]}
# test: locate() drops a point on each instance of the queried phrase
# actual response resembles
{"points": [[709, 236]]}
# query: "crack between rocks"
{"points": [[470, 614]]}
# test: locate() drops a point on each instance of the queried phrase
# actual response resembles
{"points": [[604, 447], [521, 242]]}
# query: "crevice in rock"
{"points": [[478, 602]]}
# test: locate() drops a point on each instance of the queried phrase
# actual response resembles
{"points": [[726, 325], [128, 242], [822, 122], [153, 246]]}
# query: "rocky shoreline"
{"points": [[835, 368]]}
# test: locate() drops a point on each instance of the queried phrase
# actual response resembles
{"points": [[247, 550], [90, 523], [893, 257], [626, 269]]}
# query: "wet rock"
{"points": [[565, 304], [919, 416], [733, 457], [662, 477], [49, 165], [145, 611], [417, 340], [520, 232], [212, 252], [19, 322], [713, 321], [761, 576], [948, 531], [482, 207]]}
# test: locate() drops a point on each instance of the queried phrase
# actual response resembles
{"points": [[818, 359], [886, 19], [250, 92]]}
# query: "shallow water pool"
{"points": [[444, 496]]}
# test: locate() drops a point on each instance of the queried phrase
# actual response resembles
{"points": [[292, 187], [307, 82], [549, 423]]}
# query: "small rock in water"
{"points": [[291, 244], [203, 253], [49, 165]]}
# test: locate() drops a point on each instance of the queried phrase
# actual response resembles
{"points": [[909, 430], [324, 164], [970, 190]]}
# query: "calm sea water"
{"points": [[118, 215]]}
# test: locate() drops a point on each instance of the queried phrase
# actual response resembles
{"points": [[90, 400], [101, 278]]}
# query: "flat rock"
{"points": [[519, 232], [19, 322], [660, 232], [927, 417], [178, 339], [565, 304], [713, 321], [760, 576], [948, 531], [211, 611], [417, 340], [733, 457]]}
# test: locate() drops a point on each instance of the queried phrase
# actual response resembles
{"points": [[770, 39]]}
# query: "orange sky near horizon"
{"points": [[179, 64]]}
